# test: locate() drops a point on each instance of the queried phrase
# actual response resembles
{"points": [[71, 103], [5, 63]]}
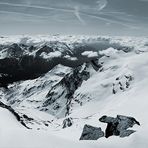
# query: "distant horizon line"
{"points": [[59, 34]]}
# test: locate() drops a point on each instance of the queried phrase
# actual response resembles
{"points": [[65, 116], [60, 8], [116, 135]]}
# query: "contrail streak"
{"points": [[101, 4], [38, 7], [76, 11], [77, 14], [108, 20], [25, 14]]}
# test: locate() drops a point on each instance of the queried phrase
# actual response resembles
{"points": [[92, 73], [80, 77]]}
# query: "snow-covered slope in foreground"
{"points": [[119, 87]]}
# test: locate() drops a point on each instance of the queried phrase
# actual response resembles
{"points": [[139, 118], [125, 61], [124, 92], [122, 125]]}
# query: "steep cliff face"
{"points": [[59, 98]]}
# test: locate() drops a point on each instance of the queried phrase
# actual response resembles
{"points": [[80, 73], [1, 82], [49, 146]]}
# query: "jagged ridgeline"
{"points": [[25, 60]]}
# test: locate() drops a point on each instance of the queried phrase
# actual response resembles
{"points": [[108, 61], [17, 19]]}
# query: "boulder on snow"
{"points": [[119, 126], [67, 122], [91, 133]]}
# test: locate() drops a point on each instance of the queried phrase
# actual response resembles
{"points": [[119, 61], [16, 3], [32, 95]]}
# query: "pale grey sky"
{"points": [[104, 17]]}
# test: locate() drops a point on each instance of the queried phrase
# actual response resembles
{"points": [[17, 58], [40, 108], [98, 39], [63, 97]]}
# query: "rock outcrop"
{"points": [[115, 126], [67, 122], [119, 126], [91, 133], [61, 94], [19, 118]]}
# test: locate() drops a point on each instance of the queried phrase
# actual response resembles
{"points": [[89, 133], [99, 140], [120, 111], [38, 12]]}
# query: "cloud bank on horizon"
{"points": [[107, 17]]}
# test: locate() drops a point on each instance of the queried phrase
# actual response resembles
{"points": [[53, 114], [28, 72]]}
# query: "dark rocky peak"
{"points": [[31, 48], [14, 50], [46, 49]]}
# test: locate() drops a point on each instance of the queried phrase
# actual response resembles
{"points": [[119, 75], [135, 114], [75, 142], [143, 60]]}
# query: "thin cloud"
{"points": [[77, 14], [38, 7], [75, 10], [144, 0], [101, 4], [109, 20], [25, 14]]}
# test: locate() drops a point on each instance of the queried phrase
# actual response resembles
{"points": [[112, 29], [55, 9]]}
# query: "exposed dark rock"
{"points": [[129, 78], [67, 122], [27, 118], [127, 84], [27, 67], [126, 49], [14, 50], [46, 49], [67, 86], [17, 116], [95, 64], [122, 83], [91, 133], [119, 126], [114, 91], [74, 80]]}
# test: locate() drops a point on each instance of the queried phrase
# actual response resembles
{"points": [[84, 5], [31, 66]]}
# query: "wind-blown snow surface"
{"points": [[119, 87]]}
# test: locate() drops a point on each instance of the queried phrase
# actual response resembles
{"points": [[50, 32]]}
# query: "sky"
{"points": [[88, 17]]}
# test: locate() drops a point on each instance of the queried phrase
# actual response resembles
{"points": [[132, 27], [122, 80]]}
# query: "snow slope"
{"points": [[120, 86]]}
